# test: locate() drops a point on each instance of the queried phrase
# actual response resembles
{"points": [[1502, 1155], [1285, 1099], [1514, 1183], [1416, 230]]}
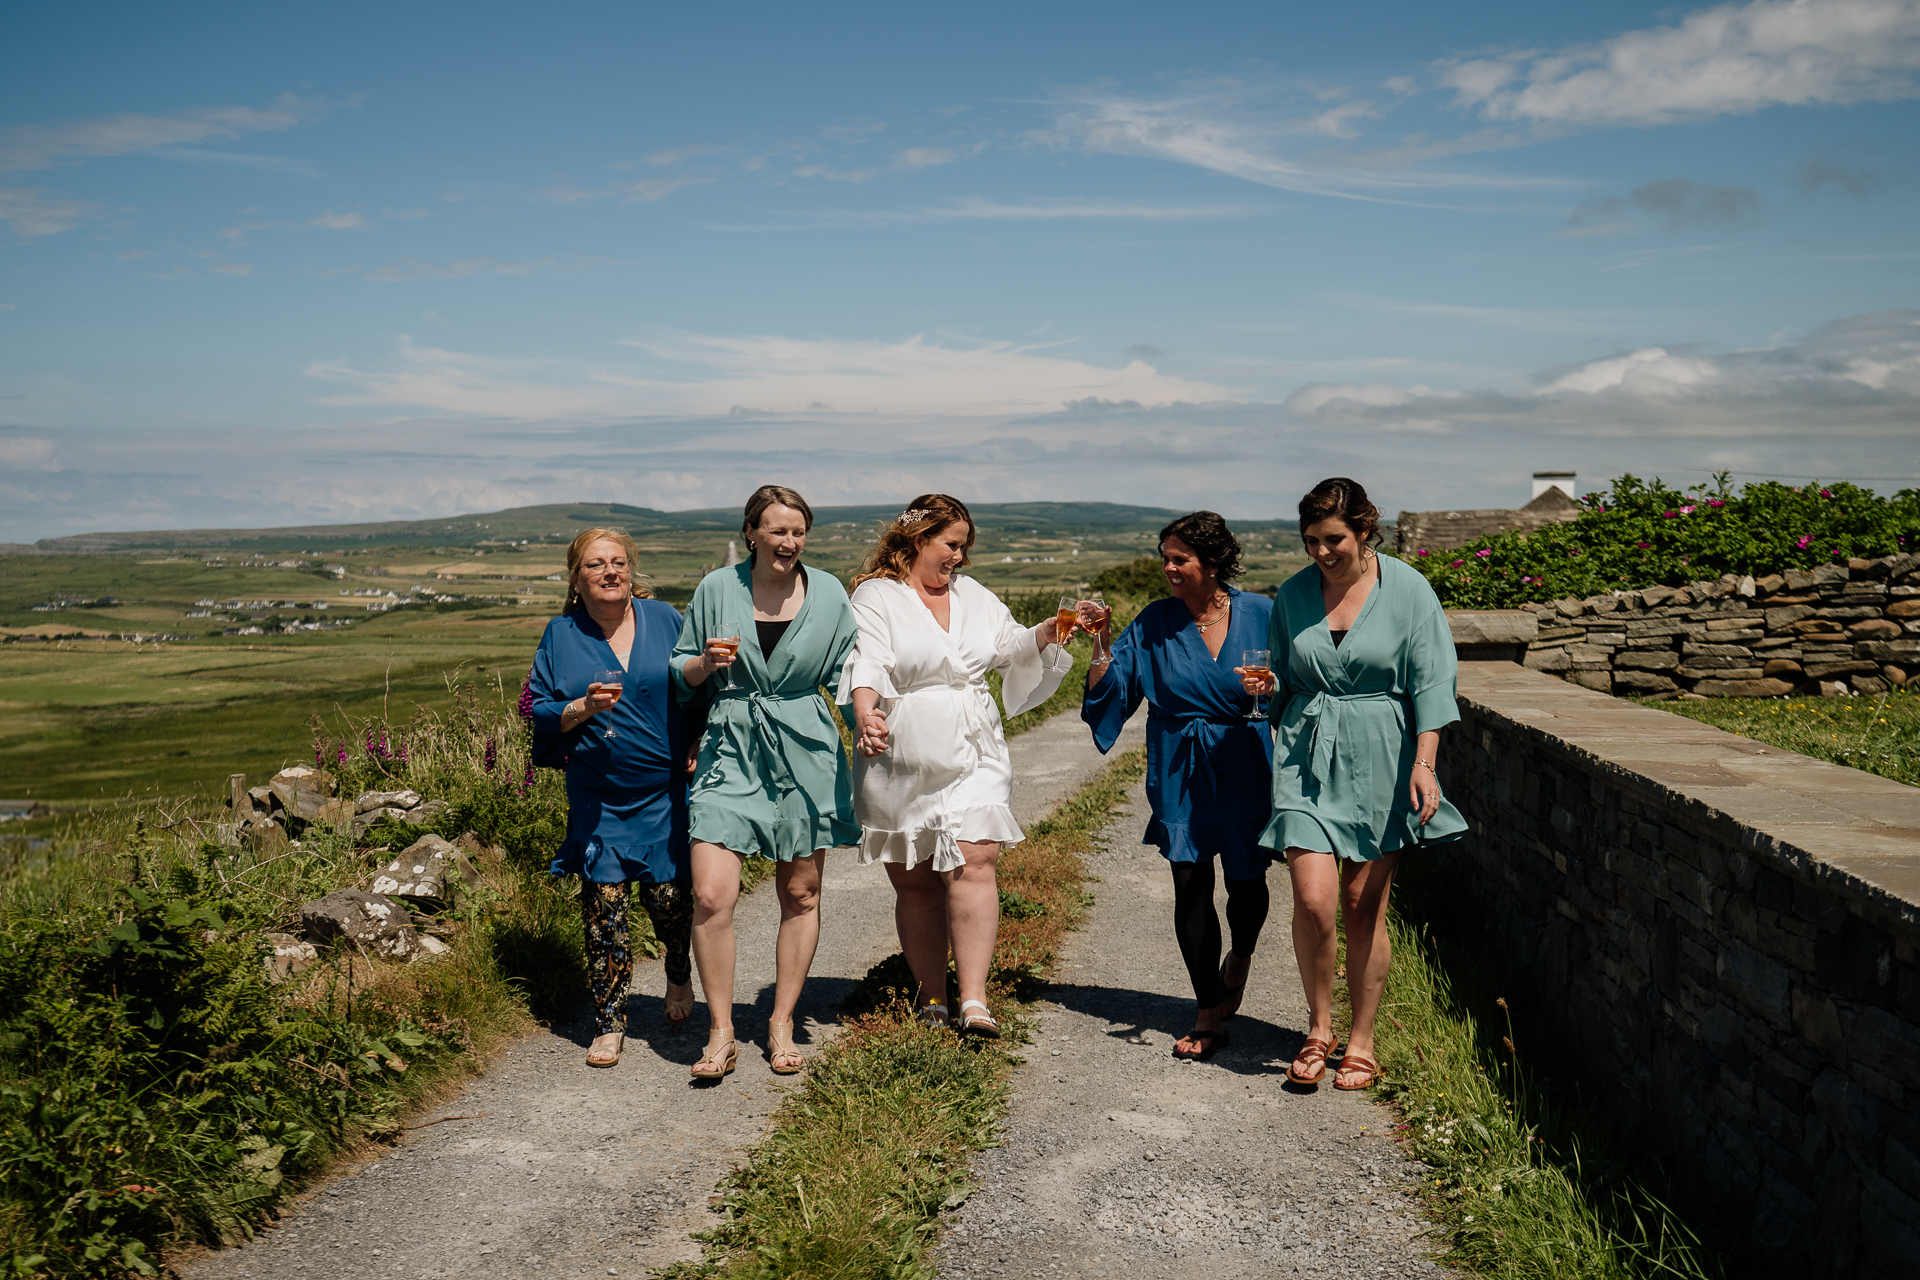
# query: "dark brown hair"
{"points": [[773, 495], [577, 554], [1345, 500], [1210, 539], [902, 537]]}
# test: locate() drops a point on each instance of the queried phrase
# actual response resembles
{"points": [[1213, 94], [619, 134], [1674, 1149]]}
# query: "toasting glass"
{"points": [[1258, 663], [614, 679], [732, 642], [1066, 617]]}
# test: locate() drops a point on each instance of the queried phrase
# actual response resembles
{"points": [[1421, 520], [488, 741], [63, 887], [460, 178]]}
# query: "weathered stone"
{"points": [[1777, 642], [1641, 682], [426, 812], [424, 870], [1569, 607], [1702, 669], [1799, 579], [1589, 654], [1867, 684], [1770, 584], [1902, 565], [1848, 613], [301, 790], [365, 822], [287, 956], [1605, 604], [1782, 668], [1859, 568], [1778, 618], [1642, 627], [1745, 586], [1828, 670], [1744, 687], [1875, 629], [334, 813], [262, 798], [227, 834], [1651, 597], [238, 799], [375, 925], [370, 800], [1692, 649], [1889, 650], [1549, 634], [1492, 626], [1908, 608], [1599, 681], [1814, 627], [1895, 676], [1547, 660], [1831, 688], [1647, 660], [1741, 621], [1831, 573]]}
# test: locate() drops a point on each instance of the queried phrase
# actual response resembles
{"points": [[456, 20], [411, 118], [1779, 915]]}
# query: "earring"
{"points": [[1368, 553]]}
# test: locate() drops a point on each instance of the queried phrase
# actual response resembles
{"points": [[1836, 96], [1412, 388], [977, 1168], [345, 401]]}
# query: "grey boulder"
{"points": [[378, 926]]}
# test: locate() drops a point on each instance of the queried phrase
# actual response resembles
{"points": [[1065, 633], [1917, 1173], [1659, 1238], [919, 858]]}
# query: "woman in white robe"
{"points": [[933, 780]]}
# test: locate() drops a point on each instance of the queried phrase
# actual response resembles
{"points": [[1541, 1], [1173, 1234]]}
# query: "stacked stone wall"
{"points": [[1729, 933], [1837, 629]]}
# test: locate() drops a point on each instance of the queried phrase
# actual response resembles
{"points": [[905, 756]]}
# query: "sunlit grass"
{"points": [[1879, 734]]}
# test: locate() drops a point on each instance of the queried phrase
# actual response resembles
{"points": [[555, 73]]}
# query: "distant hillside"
{"points": [[559, 523]]}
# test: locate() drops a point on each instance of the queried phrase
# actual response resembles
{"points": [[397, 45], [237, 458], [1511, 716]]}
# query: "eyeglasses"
{"points": [[597, 566]]}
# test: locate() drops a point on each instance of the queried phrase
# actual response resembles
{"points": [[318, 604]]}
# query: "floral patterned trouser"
{"points": [[603, 909]]}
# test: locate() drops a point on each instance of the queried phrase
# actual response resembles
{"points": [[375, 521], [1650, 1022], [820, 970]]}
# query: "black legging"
{"points": [[1197, 926]]}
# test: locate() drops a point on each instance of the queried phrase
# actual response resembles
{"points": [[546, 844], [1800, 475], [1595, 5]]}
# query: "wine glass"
{"points": [[614, 679], [1094, 614], [1066, 617], [1257, 663], [732, 641]]}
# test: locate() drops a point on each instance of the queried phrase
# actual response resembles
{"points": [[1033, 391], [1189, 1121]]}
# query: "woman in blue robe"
{"points": [[625, 754], [1208, 764]]}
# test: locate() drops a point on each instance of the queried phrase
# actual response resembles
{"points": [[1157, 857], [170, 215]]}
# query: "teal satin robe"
{"points": [[1346, 719], [772, 779]]}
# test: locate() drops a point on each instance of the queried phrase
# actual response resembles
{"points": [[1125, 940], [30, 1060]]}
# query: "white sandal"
{"points": [[978, 1024], [934, 1014]]}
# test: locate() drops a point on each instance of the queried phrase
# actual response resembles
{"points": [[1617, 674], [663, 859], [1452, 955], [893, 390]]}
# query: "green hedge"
{"points": [[1642, 534]]}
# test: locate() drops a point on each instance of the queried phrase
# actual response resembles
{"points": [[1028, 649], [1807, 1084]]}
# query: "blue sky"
{"points": [[261, 265]]}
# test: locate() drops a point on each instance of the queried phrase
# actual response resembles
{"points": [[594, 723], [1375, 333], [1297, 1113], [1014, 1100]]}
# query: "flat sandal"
{"points": [[1315, 1053], [1356, 1062]]}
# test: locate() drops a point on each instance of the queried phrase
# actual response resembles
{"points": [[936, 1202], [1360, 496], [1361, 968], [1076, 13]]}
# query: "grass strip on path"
{"points": [[1875, 734], [861, 1159], [1527, 1183]]}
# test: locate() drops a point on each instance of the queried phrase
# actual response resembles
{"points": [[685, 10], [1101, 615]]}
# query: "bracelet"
{"points": [[1425, 764]]}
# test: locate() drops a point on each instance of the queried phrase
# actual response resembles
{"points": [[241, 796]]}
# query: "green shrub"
{"points": [[1640, 534], [1138, 579]]}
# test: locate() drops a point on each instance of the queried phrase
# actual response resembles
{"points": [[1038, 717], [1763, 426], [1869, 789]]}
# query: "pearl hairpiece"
{"points": [[911, 514]]}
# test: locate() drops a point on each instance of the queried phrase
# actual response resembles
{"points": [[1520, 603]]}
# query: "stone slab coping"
{"points": [[1856, 834], [1493, 626]]}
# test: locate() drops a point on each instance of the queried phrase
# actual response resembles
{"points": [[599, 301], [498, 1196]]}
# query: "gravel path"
{"points": [[1120, 1160], [573, 1171]]}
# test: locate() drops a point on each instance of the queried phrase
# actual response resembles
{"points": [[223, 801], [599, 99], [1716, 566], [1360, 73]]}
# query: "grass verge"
{"points": [[1526, 1181], [1876, 734], [860, 1161]]}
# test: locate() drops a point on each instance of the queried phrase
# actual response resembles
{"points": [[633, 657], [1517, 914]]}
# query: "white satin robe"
{"points": [[946, 775]]}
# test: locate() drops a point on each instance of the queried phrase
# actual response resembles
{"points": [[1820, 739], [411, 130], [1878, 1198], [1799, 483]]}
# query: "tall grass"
{"points": [[863, 1158], [1525, 1182]]}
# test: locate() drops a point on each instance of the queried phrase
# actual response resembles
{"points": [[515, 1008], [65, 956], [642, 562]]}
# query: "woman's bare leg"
{"points": [[716, 888], [920, 917], [1316, 891], [973, 915], [798, 884], [1364, 889]]}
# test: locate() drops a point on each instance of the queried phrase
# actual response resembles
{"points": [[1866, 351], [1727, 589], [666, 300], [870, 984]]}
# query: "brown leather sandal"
{"points": [[1357, 1062], [1314, 1053]]}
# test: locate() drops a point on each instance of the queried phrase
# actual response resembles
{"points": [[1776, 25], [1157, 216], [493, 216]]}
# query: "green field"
{"points": [[86, 720]]}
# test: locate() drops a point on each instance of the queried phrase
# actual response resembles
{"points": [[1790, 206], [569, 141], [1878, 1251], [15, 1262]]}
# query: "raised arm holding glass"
{"points": [[1208, 765], [933, 779], [772, 781], [603, 709], [1362, 683]]}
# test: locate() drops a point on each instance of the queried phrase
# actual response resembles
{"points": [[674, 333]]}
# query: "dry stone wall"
{"points": [[1731, 934], [1833, 630]]}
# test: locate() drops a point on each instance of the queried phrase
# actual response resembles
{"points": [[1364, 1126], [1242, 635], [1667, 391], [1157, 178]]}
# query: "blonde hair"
{"points": [[577, 553], [902, 537]]}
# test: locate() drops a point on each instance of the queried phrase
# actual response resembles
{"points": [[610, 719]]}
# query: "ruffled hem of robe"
{"points": [[611, 864], [1295, 829], [780, 840], [937, 843]]}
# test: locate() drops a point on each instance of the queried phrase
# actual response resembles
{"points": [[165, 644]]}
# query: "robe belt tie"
{"points": [[1190, 745], [766, 729], [1327, 713]]}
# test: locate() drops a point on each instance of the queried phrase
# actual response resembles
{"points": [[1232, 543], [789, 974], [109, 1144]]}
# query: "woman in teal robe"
{"points": [[772, 780], [1363, 681]]}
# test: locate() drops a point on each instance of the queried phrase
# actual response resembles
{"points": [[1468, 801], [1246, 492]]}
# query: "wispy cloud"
{"points": [[1526, 319], [339, 221], [30, 211], [1678, 204], [42, 146], [922, 158], [232, 268], [1002, 211], [1728, 60], [640, 190]]}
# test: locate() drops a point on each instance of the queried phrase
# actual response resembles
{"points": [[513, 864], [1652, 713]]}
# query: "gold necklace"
{"points": [[1225, 609]]}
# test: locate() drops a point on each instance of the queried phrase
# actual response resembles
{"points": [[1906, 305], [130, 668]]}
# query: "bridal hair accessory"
{"points": [[911, 514]]}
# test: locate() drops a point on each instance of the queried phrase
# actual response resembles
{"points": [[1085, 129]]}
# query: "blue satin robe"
{"points": [[1208, 766]]}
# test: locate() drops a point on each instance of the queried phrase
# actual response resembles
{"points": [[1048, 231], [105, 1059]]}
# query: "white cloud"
{"points": [[27, 453], [922, 158], [1728, 60], [1650, 371], [30, 211], [700, 374], [232, 268], [649, 189], [40, 146], [1528, 319], [339, 221]]}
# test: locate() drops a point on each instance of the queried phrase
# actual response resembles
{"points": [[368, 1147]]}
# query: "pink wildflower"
{"points": [[1643, 545], [1483, 552], [1687, 511], [1826, 493], [1803, 541], [1456, 564], [1715, 503]]}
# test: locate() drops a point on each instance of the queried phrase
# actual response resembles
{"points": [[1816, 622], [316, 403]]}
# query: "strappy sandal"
{"points": [[978, 1024], [720, 1058], [1215, 1042], [934, 1014], [1314, 1053], [780, 1046], [679, 1009], [600, 1056], [1357, 1062], [1230, 1005]]}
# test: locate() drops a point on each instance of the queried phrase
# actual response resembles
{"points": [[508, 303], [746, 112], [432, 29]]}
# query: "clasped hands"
{"points": [[871, 733]]}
